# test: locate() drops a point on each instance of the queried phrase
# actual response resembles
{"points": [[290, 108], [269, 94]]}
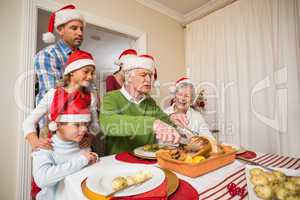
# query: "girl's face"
{"points": [[72, 131], [83, 76], [183, 98]]}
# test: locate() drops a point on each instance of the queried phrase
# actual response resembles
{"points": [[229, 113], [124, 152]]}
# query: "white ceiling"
{"points": [[183, 6], [185, 11]]}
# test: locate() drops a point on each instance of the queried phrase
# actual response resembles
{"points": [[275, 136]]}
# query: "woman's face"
{"points": [[183, 98], [83, 76], [73, 131]]}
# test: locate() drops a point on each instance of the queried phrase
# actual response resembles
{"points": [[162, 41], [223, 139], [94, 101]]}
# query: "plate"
{"points": [[237, 149], [250, 186], [101, 183], [141, 153], [172, 179]]}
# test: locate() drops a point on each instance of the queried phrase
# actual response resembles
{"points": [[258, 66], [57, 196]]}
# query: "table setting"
{"points": [[153, 172]]}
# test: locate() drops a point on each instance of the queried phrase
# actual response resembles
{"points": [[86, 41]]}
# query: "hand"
{"points": [[86, 141], [165, 132], [91, 156], [39, 143], [179, 119]]}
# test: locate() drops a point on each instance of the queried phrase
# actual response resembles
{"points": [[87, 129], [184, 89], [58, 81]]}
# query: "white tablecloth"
{"points": [[209, 186], [70, 188]]}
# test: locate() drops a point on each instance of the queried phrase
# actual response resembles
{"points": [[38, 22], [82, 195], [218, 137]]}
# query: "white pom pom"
{"points": [[156, 84], [48, 37], [52, 126], [172, 89], [118, 62]]}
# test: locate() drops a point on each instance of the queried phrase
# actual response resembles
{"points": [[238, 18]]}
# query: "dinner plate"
{"points": [[250, 186], [172, 185], [101, 182], [141, 153]]}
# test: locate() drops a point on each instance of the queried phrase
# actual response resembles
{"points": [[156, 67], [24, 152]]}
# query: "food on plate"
{"points": [[151, 147], [274, 185], [197, 150], [121, 182], [259, 180], [263, 191], [256, 171]]}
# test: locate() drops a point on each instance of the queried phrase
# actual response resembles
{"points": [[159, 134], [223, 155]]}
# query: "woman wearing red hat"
{"points": [[116, 81], [184, 95], [78, 75]]}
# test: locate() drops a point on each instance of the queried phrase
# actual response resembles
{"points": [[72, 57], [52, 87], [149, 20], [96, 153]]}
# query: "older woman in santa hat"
{"points": [[78, 75], [184, 95]]}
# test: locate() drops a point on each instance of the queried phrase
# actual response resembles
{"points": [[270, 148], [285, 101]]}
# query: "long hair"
{"points": [[66, 80]]}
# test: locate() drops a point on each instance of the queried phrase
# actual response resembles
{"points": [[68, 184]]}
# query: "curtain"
{"points": [[246, 57]]}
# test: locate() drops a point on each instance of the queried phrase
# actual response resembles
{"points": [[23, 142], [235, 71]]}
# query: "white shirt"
{"points": [[30, 123], [129, 97], [196, 121]]}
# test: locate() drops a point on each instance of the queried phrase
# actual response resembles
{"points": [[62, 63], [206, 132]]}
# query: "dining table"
{"points": [[211, 186]]}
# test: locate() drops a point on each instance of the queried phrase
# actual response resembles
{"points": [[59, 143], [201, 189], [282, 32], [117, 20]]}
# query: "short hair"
{"points": [[185, 85]]}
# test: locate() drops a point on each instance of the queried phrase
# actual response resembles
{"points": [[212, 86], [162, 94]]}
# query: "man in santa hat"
{"points": [[130, 117], [49, 62]]}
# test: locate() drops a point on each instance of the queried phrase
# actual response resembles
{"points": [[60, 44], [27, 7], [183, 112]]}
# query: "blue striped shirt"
{"points": [[49, 67]]}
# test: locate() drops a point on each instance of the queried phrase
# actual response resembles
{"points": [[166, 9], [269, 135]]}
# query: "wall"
{"points": [[10, 41], [165, 43], [165, 35]]}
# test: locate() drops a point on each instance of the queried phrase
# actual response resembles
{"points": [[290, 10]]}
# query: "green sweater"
{"points": [[127, 125]]}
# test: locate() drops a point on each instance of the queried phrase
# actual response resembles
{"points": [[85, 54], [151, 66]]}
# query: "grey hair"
{"points": [[127, 74], [185, 85]]}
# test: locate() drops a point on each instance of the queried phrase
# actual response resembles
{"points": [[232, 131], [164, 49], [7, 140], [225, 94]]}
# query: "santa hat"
{"points": [[69, 107], [60, 17], [128, 53], [77, 60], [178, 82], [141, 61]]}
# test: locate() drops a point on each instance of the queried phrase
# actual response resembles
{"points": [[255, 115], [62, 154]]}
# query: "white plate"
{"points": [[139, 151], [250, 186], [101, 183]]}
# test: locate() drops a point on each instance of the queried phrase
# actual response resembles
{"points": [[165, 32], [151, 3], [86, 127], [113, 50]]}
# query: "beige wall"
{"points": [[165, 43], [165, 35], [9, 55]]}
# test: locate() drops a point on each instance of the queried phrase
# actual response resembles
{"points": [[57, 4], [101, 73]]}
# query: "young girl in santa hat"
{"points": [[72, 110]]}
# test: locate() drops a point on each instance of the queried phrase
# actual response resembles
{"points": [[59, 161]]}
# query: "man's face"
{"points": [[141, 80], [72, 33]]}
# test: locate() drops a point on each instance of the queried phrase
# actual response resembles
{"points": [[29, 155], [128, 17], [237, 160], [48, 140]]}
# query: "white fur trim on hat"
{"points": [[78, 64], [48, 37], [73, 118], [184, 81], [121, 60], [138, 62], [52, 126], [66, 15]]}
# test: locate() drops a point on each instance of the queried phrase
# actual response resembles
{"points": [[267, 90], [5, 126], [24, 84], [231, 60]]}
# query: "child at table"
{"points": [[70, 109]]}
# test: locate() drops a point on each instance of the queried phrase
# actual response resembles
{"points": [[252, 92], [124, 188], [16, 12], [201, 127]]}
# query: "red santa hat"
{"points": [[142, 61], [60, 17], [69, 107], [178, 82], [77, 60], [128, 53]]}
